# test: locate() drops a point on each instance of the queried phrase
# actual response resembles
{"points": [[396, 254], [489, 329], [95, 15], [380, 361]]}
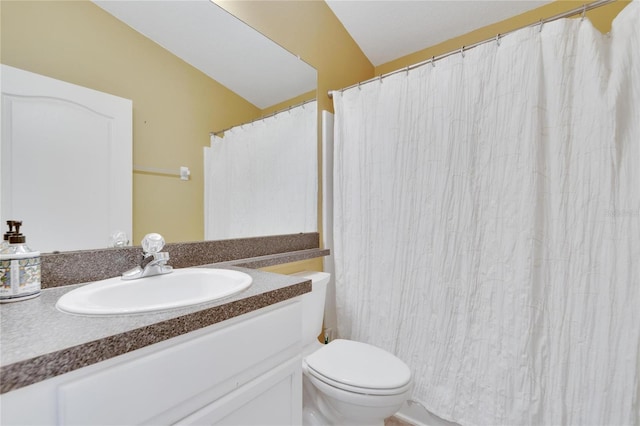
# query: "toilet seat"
{"points": [[359, 368], [355, 389]]}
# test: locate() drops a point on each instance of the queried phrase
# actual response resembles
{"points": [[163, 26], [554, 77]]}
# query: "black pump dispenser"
{"points": [[15, 237], [10, 232]]}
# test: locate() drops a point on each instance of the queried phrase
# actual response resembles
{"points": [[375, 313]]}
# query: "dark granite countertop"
{"points": [[39, 342]]}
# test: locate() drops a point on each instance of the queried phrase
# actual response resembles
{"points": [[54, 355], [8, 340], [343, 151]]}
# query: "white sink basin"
{"points": [[182, 287]]}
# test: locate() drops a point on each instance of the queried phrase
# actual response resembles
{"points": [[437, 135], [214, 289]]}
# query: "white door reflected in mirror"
{"points": [[66, 161]]}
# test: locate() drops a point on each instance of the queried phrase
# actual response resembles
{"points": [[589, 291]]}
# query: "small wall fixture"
{"points": [[184, 173]]}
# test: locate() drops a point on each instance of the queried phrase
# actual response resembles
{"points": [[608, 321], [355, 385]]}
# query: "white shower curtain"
{"points": [[262, 178], [487, 225]]}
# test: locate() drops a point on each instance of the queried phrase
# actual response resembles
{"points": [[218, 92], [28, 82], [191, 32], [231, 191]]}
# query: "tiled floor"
{"points": [[392, 421]]}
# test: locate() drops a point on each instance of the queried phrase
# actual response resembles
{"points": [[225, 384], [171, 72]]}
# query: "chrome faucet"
{"points": [[154, 262]]}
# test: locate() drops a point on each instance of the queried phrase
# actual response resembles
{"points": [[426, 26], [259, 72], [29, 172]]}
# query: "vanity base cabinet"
{"points": [[246, 370]]}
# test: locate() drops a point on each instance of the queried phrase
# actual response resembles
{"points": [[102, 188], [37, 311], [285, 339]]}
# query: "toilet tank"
{"points": [[313, 305]]}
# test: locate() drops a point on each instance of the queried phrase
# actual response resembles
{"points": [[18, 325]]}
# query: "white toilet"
{"points": [[346, 382]]}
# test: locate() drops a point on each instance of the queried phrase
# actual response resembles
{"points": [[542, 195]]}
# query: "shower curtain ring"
{"points": [[462, 51], [498, 39], [407, 70], [433, 61], [584, 12], [541, 24], [380, 78]]}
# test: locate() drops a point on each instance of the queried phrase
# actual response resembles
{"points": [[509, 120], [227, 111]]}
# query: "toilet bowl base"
{"points": [[320, 409]]}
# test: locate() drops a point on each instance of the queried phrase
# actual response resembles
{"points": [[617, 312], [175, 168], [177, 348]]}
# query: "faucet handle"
{"points": [[152, 243]]}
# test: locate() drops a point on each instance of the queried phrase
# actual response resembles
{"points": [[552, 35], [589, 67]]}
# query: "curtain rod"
{"points": [[264, 116], [578, 10]]}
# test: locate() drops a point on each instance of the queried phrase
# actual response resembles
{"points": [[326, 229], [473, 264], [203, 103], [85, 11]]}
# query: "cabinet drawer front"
{"points": [[165, 381]]}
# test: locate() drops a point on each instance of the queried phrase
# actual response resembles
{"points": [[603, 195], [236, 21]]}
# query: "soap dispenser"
{"points": [[19, 267]]}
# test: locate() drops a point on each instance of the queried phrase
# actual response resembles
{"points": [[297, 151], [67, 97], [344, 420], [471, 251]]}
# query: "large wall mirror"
{"points": [[189, 68]]}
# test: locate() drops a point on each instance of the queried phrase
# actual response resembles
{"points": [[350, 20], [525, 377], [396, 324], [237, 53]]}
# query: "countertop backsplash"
{"points": [[75, 267]]}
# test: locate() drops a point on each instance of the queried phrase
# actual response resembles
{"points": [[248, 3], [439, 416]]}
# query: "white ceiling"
{"points": [[389, 29], [207, 37]]}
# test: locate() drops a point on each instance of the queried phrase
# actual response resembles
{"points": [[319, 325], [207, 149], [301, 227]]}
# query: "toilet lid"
{"points": [[359, 365]]}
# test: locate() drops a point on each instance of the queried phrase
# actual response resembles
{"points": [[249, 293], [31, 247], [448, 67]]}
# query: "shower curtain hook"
{"points": [[541, 24], [433, 62], [584, 12], [462, 51], [407, 70], [498, 39], [359, 85]]}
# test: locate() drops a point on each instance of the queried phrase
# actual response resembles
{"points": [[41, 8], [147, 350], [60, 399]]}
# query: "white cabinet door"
{"points": [[66, 161], [274, 399]]}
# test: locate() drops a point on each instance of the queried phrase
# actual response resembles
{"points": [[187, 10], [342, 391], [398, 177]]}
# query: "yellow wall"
{"points": [[289, 103], [175, 106]]}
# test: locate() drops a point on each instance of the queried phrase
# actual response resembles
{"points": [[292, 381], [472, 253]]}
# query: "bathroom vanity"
{"points": [[235, 361]]}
